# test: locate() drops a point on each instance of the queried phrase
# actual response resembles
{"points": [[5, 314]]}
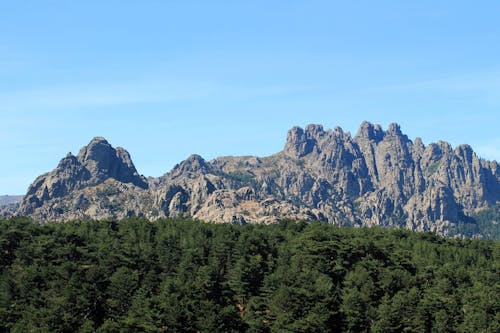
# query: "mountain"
{"points": [[9, 204], [376, 178], [10, 199], [80, 186]]}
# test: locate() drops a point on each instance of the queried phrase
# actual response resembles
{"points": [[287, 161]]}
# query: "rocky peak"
{"points": [[419, 144], [97, 147], [369, 131], [445, 147], [124, 156], [194, 163], [300, 143], [95, 163], [103, 162], [338, 131], [69, 161], [375, 178], [465, 152], [98, 154], [314, 131], [432, 152], [297, 143], [393, 130]]}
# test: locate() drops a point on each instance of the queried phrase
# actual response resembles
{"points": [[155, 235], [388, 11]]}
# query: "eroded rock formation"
{"points": [[375, 178]]}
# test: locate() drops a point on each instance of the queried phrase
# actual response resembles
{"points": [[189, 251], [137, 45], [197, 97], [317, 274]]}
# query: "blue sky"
{"points": [[166, 79]]}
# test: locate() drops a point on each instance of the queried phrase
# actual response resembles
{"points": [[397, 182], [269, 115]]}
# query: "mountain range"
{"points": [[10, 199], [374, 178]]}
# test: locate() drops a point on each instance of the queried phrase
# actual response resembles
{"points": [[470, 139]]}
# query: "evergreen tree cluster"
{"points": [[184, 276], [484, 223]]}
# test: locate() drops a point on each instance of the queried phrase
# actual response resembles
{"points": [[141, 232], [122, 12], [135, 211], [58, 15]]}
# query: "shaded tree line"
{"points": [[184, 276], [484, 224]]}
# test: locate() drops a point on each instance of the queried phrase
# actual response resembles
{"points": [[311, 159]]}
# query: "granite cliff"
{"points": [[376, 178]]}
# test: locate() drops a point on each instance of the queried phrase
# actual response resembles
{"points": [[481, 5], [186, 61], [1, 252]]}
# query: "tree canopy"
{"points": [[185, 276]]}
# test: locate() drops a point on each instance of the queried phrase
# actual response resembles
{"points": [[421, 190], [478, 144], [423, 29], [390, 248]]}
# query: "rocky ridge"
{"points": [[10, 199], [376, 178], [9, 204]]}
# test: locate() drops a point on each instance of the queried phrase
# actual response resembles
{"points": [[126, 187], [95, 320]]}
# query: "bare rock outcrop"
{"points": [[376, 178], [75, 187]]}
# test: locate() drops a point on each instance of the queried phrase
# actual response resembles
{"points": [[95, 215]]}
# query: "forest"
{"points": [[179, 275]]}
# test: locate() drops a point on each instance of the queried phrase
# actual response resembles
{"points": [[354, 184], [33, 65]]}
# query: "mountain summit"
{"points": [[376, 178], [96, 164]]}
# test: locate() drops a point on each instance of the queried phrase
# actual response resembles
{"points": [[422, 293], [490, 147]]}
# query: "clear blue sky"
{"points": [[166, 79]]}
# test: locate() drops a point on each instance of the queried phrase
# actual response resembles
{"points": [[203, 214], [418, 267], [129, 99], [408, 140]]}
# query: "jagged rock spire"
{"points": [[376, 178]]}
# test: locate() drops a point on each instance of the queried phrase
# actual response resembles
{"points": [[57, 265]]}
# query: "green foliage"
{"points": [[485, 224], [488, 222], [433, 168], [243, 177], [184, 276]]}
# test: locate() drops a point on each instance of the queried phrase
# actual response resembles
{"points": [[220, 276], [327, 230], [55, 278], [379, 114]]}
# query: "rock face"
{"points": [[81, 185], [376, 178]]}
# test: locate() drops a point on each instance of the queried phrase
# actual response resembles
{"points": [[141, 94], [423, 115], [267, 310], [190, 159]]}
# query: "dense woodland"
{"points": [[185, 276]]}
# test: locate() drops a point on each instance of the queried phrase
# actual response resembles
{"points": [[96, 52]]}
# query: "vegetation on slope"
{"points": [[185, 276], [484, 224]]}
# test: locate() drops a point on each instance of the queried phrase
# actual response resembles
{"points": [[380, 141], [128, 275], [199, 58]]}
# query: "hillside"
{"points": [[376, 178], [184, 276]]}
